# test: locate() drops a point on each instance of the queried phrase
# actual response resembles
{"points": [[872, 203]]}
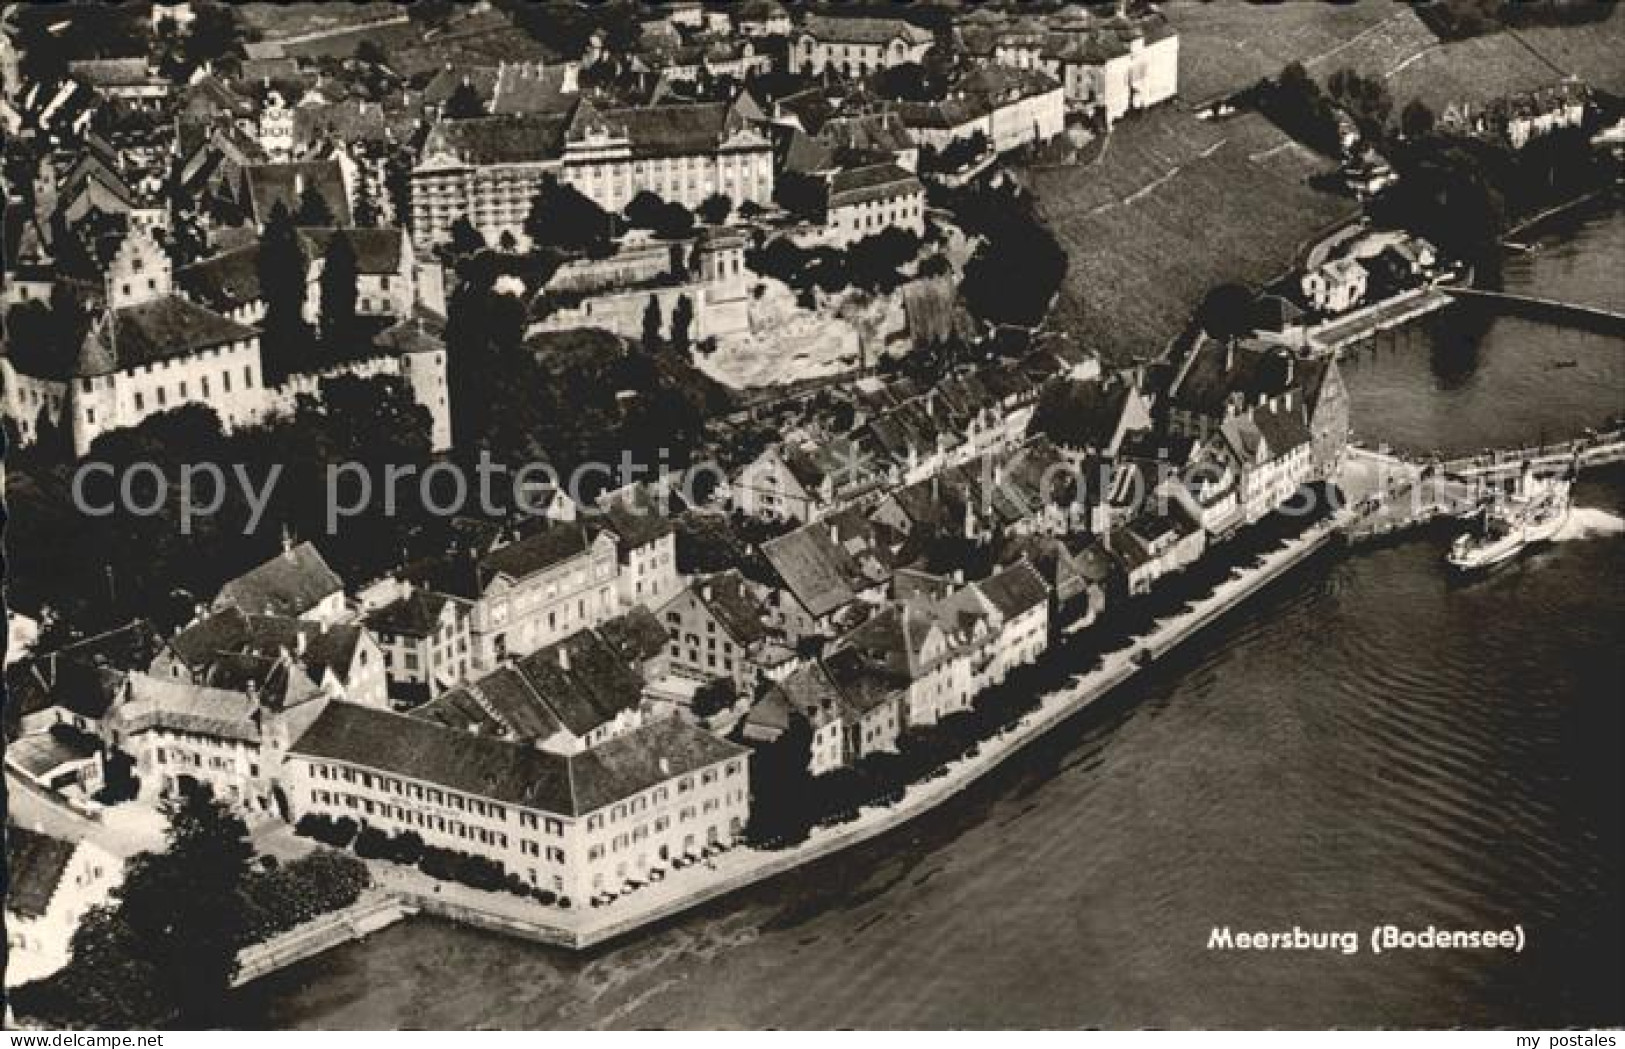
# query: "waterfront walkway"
{"points": [[1388, 492], [1336, 336], [584, 926]]}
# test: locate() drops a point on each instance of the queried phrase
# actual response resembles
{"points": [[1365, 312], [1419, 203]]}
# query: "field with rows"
{"points": [[1230, 45], [1173, 207]]}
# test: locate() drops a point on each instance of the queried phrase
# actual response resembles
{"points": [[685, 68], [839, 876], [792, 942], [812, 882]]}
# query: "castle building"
{"points": [[489, 169]]}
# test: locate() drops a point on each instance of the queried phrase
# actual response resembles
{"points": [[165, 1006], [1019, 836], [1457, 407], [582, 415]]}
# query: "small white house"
{"points": [[50, 884], [1335, 287]]}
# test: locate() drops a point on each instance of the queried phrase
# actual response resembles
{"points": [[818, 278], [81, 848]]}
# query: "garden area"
{"points": [[408, 849]]}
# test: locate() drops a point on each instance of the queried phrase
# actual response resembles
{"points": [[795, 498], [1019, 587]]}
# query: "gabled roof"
{"points": [[35, 865], [637, 635], [147, 332], [635, 526], [808, 692], [377, 251], [730, 603], [289, 584], [223, 282], [527, 138], [1216, 371], [556, 543], [840, 30], [512, 773], [181, 706], [872, 182], [271, 184], [526, 88], [415, 615], [814, 568], [894, 638], [1015, 590]]}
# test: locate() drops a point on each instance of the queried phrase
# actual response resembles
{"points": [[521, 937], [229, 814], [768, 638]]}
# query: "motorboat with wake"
{"points": [[1533, 512]]}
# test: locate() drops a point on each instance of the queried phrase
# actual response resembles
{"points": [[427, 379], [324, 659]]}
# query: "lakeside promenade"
{"points": [[411, 891]]}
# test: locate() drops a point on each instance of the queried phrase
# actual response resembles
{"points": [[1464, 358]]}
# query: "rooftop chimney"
{"points": [[564, 657]]}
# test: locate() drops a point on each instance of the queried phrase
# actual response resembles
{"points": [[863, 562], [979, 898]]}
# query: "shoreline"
{"points": [[410, 892], [1549, 213]]}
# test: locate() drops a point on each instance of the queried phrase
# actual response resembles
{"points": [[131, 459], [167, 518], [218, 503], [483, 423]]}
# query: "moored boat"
{"points": [[1534, 512]]}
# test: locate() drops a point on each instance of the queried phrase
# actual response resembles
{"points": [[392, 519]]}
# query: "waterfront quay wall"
{"points": [[367, 915], [405, 892], [922, 797]]}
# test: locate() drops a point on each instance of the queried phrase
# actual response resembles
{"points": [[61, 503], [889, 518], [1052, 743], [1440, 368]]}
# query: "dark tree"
{"points": [[1018, 268], [313, 209], [1226, 311], [1365, 99], [367, 214], [652, 324], [465, 239], [338, 288], [370, 52], [464, 103], [1416, 119], [164, 950], [682, 320], [716, 208], [214, 35], [801, 195], [665, 219], [1296, 103], [398, 184], [281, 269], [715, 696], [561, 216]]}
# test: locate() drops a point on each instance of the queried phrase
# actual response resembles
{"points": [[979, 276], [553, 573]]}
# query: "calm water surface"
{"points": [[1367, 741]]}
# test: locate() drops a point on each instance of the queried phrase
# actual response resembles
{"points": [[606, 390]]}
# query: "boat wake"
{"points": [[1586, 523]]}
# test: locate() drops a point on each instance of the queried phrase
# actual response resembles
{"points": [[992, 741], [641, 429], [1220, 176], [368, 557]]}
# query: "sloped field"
{"points": [[1239, 209]]}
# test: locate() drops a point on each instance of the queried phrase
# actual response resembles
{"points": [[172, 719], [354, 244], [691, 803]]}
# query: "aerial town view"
{"points": [[773, 515]]}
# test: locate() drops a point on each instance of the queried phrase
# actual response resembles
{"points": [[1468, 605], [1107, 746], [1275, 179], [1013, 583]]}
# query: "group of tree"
{"points": [[1019, 265], [1365, 99], [1298, 105], [666, 219], [150, 566], [563, 217], [957, 155], [804, 196], [464, 103], [1457, 19], [163, 951], [1461, 191], [714, 697]]}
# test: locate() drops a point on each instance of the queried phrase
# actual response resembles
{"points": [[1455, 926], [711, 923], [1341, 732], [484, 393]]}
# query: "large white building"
{"points": [[862, 202], [578, 825], [489, 169], [150, 350], [533, 591], [1109, 66], [855, 46]]}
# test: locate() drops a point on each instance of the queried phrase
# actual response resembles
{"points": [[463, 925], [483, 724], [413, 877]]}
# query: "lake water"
{"points": [[1367, 741]]}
